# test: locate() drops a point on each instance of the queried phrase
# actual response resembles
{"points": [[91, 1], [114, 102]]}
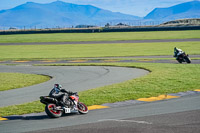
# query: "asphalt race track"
{"points": [[175, 115], [74, 78], [170, 116], [180, 115], [141, 59]]}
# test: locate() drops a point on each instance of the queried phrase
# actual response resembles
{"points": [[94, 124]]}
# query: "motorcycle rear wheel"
{"points": [[82, 108], [51, 112], [180, 60]]}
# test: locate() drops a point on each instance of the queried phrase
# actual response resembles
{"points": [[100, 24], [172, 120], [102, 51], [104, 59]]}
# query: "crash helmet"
{"points": [[176, 49], [58, 86]]}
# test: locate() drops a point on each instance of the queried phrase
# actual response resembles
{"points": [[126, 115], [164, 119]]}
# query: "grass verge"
{"points": [[70, 37], [164, 78], [57, 52], [18, 80]]}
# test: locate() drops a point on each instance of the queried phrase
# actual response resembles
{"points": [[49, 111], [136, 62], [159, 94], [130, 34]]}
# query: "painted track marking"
{"points": [[132, 121], [161, 97], [93, 107], [3, 119]]}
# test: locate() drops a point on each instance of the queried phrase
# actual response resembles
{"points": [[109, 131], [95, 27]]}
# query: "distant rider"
{"points": [[177, 52]]}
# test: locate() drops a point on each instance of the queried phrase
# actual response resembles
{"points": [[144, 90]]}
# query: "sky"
{"points": [[133, 7]]}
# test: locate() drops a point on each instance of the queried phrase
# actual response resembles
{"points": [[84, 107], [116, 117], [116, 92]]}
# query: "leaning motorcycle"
{"points": [[54, 110], [183, 58]]}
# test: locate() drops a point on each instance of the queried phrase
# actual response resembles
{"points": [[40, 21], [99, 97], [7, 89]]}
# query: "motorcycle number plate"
{"points": [[67, 110]]}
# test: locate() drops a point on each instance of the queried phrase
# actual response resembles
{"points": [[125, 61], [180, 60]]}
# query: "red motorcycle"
{"points": [[54, 110]]}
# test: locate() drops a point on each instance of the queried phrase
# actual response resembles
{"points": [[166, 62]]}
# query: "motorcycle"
{"points": [[183, 57], [54, 110]]}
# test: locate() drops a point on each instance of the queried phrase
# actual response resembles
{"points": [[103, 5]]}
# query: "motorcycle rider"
{"points": [[177, 52], [61, 96]]}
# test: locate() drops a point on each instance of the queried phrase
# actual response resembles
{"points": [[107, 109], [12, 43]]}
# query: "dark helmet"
{"points": [[176, 49], [57, 86]]}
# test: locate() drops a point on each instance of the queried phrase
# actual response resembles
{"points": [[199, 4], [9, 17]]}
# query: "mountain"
{"points": [[58, 13], [180, 11], [61, 14]]}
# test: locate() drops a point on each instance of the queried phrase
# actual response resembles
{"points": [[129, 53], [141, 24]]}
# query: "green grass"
{"points": [[35, 107], [18, 80], [41, 52], [70, 37], [164, 78]]}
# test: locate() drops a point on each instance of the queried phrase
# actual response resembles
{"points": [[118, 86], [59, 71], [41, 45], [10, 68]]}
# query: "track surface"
{"points": [[156, 117], [167, 116], [174, 116], [145, 118], [144, 59], [74, 78], [165, 123]]}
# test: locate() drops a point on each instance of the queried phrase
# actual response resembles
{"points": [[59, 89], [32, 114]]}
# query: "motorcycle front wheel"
{"points": [[187, 59], [82, 108], [52, 112]]}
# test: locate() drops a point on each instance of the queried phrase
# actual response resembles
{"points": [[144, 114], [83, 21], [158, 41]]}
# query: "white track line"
{"points": [[140, 122]]}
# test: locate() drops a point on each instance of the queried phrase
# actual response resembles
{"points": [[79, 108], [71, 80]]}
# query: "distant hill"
{"points": [[180, 11], [59, 14], [183, 22]]}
